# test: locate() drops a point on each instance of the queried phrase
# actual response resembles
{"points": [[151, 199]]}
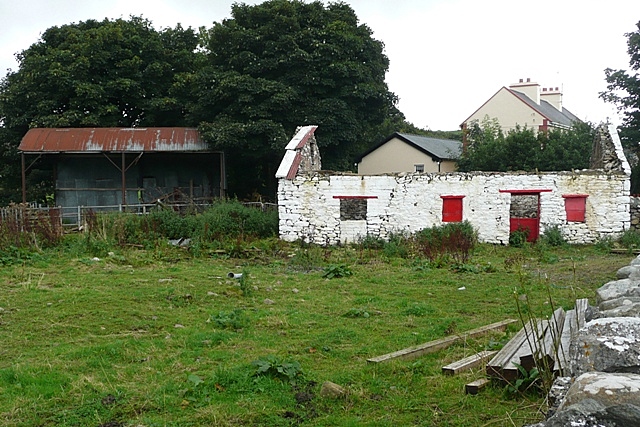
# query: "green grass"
{"points": [[158, 338]]}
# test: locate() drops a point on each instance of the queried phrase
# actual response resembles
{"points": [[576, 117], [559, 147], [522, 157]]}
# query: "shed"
{"points": [[111, 166]]}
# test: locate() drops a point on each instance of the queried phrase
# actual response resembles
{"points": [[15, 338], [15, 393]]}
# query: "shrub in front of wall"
{"points": [[451, 241], [518, 238], [552, 236]]}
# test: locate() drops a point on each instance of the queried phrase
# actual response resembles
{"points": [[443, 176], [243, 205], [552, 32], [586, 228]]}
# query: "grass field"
{"points": [[160, 338]]}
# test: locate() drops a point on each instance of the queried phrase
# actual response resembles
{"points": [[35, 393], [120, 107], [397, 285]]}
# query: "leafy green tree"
{"points": [[623, 90], [107, 73], [523, 149], [282, 64]]}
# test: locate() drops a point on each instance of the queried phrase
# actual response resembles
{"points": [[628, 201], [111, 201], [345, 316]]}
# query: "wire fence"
{"points": [[70, 217]]}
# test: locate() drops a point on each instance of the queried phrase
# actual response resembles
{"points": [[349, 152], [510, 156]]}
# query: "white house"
{"points": [[525, 104]]}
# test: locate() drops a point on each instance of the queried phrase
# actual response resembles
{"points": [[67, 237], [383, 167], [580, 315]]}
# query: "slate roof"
{"points": [[564, 117], [438, 148]]}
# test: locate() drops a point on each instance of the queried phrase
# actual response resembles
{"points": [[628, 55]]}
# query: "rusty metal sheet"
{"points": [[137, 140]]}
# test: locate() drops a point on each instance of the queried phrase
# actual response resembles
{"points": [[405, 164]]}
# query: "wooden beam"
{"points": [[476, 386], [468, 362], [501, 366], [433, 346]]}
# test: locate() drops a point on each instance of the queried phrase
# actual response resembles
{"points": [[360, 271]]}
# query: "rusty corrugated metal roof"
{"points": [[82, 140]]}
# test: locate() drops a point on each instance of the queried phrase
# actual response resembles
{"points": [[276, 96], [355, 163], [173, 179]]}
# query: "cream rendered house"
{"points": [[525, 104], [403, 152]]}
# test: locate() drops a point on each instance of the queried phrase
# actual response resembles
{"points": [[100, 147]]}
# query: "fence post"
{"points": [[79, 216]]}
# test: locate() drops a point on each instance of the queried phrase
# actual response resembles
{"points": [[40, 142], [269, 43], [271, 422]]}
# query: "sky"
{"points": [[447, 57]]}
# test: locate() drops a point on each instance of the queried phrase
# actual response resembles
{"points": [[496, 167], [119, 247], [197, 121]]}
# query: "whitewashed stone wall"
{"points": [[309, 205]]}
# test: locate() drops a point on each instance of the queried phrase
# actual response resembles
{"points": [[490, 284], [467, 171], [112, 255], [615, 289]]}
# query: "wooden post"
{"points": [[124, 179], [24, 179]]}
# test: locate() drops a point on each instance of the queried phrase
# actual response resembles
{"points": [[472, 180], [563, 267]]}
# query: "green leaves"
{"points": [[337, 271], [523, 149], [274, 367], [623, 90]]}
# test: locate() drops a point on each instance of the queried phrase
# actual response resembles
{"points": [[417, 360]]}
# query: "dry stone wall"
{"points": [[635, 212], [312, 206], [604, 387]]}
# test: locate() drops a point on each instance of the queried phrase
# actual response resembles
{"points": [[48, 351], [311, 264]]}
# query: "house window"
{"points": [[575, 206], [419, 168], [452, 208], [353, 208]]}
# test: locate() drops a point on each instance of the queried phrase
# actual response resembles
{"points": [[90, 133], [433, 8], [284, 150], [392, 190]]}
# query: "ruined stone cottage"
{"points": [[337, 208]]}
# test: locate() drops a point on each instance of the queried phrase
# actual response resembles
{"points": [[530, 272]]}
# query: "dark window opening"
{"points": [[353, 209]]}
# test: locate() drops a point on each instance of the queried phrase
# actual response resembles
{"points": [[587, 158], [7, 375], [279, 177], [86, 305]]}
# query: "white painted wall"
{"points": [[410, 202]]}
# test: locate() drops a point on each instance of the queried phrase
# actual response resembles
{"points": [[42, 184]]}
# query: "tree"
{"points": [[623, 90], [282, 64], [523, 149], [109, 73]]}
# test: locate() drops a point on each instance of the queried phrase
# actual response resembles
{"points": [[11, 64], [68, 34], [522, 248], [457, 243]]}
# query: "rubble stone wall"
{"points": [[604, 387], [635, 212], [310, 204]]}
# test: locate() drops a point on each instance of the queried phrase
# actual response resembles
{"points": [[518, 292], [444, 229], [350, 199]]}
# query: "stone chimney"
{"points": [[553, 95], [529, 88]]}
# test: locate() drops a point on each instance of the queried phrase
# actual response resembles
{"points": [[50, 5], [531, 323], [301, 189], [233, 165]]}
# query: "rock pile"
{"points": [[604, 387]]}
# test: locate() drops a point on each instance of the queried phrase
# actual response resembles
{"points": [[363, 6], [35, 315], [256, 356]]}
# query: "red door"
{"points": [[524, 213]]}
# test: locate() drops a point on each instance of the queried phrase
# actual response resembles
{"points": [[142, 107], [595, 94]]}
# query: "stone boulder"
{"points": [[628, 272], [617, 289], [599, 399], [607, 345]]}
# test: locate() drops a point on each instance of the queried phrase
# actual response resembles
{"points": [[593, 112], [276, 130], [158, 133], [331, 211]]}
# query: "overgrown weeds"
{"points": [[454, 241]]}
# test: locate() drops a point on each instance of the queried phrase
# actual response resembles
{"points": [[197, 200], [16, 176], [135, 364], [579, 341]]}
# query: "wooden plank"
{"points": [[476, 386], [544, 349], [581, 312], [433, 346], [524, 355], [502, 365], [468, 362], [562, 357]]}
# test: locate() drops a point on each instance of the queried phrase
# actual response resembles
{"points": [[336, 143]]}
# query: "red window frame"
{"points": [[452, 208], [575, 206]]}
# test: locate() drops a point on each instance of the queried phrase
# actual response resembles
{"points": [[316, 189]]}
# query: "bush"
{"points": [[552, 236], [518, 238], [222, 222], [454, 240], [398, 246], [232, 219]]}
